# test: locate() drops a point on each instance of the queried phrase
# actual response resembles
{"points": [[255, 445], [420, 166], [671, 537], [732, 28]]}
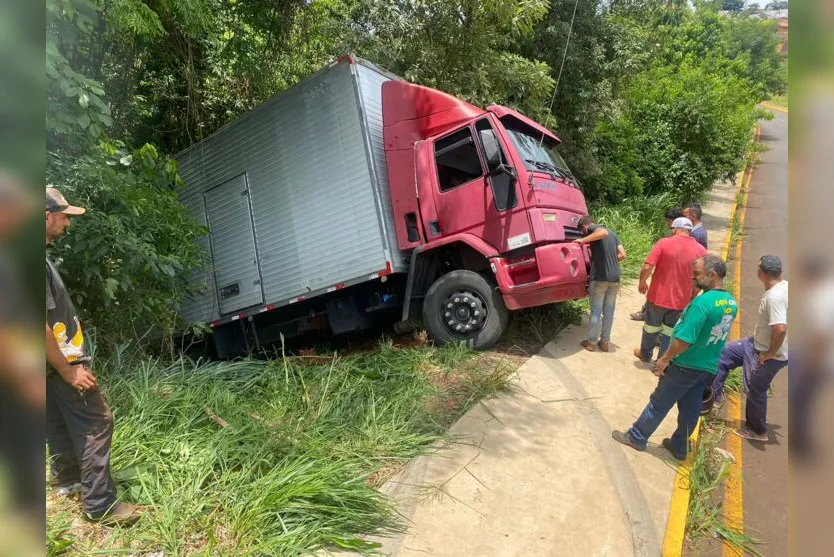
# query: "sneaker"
{"points": [[70, 490], [120, 514], [638, 316], [667, 444], [604, 345], [624, 437], [746, 433]]}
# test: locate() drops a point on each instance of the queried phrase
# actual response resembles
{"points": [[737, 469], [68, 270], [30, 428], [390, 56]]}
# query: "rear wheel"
{"points": [[465, 306]]}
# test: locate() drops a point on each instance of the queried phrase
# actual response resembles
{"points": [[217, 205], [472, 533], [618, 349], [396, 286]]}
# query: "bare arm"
{"points": [[777, 337], [621, 252], [597, 234], [645, 273]]}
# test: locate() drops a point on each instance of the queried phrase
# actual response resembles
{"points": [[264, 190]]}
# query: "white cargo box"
{"points": [[295, 195]]}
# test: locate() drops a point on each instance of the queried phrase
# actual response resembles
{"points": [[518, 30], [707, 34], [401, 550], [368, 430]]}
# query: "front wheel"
{"points": [[465, 306]]}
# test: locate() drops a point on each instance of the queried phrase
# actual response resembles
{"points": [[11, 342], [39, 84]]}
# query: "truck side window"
{"points": [[457, 160]]}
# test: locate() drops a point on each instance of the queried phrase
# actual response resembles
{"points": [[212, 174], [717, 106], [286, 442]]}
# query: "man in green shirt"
{"points": [[690, 363]]}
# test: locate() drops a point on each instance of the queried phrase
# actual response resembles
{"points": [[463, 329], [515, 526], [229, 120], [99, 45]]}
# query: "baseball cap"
{"points": [[770, 264], [682, 222], [56, 203]]}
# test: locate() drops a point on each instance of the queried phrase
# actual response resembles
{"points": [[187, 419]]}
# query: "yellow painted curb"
{"points": [[679, 507], [733, 486], [778, 108], [674, 538]]}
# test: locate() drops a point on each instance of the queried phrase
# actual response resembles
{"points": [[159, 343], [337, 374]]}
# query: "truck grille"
{"points": [[572, 233]]}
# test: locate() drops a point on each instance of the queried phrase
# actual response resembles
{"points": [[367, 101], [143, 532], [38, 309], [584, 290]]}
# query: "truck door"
{"points": [[234, 252], [468, 199]]}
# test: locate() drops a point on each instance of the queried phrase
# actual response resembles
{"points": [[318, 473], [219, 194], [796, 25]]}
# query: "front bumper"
{"points": [[552, 273]]}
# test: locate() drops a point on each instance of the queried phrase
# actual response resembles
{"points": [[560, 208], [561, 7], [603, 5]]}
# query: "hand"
{"points": [[80, 377], [764, 356], [579, 241], [33, 393], [643, 287], [660, 367]]}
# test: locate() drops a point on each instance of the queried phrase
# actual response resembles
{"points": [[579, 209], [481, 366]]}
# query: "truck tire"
{"points": [[463, 306]]}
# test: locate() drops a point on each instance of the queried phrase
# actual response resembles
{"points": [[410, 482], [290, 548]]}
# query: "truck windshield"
{"points": [[538, 155]]}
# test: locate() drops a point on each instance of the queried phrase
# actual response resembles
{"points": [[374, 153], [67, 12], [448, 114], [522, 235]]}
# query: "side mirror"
{"points": [[492, 150], [506, 169]]}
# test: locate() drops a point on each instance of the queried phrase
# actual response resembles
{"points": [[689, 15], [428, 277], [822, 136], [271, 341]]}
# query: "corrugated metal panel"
{"points": [[312, 193], [233, 246], [370, 82], [201, 306]]}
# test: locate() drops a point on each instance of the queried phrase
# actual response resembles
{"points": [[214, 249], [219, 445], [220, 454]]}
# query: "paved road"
{"points": [[766, 232]]}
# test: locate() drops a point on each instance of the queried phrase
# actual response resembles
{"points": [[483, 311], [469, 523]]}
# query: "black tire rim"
{"points": [[464, 313]]}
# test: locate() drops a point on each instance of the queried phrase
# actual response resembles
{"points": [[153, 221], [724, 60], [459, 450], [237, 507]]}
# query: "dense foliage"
{"points": [[654, 97]]}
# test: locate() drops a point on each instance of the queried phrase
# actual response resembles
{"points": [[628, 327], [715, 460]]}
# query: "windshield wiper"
{"points": [[552, 168]]}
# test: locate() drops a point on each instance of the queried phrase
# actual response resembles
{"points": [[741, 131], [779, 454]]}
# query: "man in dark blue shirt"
{"points": [[606, 253], [694, 213]]}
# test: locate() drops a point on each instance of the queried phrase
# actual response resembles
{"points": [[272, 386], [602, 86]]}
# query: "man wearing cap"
{"points": [[669, 265], [761, 356], [79, 425], [669, 217]]}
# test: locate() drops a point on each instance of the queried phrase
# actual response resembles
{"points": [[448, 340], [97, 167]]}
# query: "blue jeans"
{"points": [[679, 385], [757, 379], [603, 298]]}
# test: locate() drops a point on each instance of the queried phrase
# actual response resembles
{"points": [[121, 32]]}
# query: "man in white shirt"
{"points": [[761, 356], [815, 367]]}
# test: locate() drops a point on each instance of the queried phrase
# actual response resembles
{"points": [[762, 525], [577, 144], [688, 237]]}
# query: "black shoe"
{"points": [[667, 444], [625, 438]]}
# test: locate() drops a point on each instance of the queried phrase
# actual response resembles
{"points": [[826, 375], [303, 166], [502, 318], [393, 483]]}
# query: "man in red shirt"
{"points": [[670, 267]]}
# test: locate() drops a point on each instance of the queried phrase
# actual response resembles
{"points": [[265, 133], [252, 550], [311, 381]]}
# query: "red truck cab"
{"points": [[487, 207]]}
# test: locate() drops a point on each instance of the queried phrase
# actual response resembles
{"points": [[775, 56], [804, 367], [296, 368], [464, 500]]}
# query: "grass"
{"points": [[272, 458], [58, 537], [781, 100], [709, 470], [736, 227], [532, 328]]}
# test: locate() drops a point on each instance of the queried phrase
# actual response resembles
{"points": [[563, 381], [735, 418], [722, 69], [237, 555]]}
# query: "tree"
{"points": [[733, 5], [129, 260], [777, 5]]}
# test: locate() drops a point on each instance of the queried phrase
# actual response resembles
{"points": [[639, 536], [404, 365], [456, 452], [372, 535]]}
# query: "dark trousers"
{"points": [[681, 386], [804, 384], [79, 430], [658, 321], [757, 379], [22, 453]]}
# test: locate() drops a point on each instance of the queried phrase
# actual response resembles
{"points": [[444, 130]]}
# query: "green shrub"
{"points": [[127, 262], [693, 128]]}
